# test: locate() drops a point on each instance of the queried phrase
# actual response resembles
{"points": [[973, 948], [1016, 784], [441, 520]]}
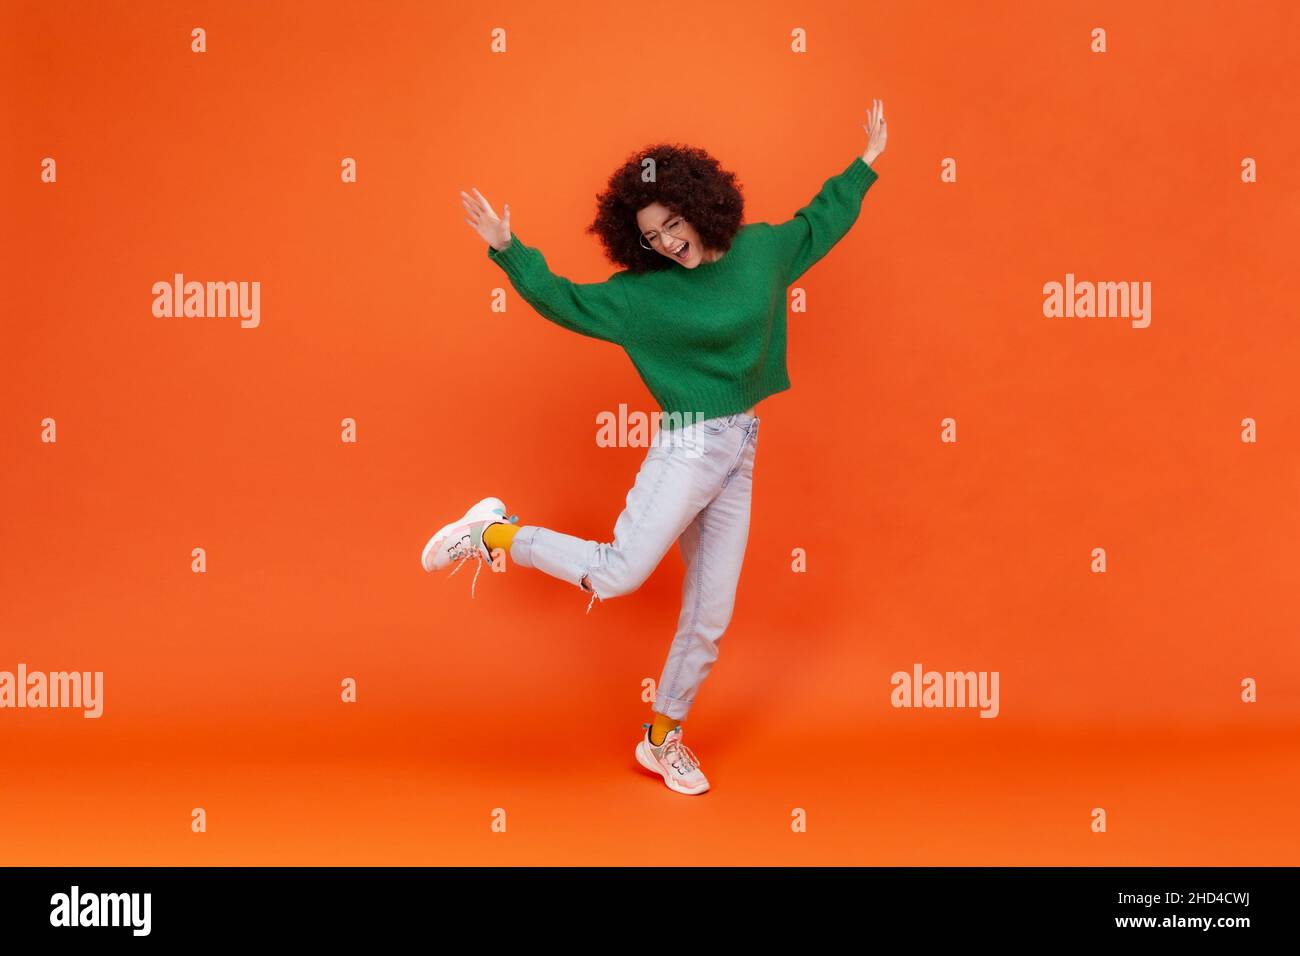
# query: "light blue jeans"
{"points": [[694, 488]]}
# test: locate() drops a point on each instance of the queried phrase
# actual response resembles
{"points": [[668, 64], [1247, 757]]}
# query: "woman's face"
{"points": [[670, 235]]}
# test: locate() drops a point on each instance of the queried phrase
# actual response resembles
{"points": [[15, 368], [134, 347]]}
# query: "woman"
{"points": [[700, 309]]}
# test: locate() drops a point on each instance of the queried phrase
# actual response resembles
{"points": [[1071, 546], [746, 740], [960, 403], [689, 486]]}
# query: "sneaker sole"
{"points": [[647, 761]]}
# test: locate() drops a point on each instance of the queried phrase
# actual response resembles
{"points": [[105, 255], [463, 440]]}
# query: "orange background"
{"points": [[1118, 690]]}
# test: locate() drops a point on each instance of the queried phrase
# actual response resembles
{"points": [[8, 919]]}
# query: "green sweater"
{"points": [[707, 341]]}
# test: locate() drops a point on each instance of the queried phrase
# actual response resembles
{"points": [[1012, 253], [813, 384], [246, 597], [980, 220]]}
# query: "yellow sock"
{"points": [[660, 728], [499, 535]]}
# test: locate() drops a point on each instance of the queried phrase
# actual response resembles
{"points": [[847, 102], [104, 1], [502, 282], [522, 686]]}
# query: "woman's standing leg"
{"points": [[713, 546]]}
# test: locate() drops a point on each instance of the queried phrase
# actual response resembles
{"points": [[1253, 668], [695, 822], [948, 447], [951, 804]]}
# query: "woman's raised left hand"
{"points": [[876, 132]]}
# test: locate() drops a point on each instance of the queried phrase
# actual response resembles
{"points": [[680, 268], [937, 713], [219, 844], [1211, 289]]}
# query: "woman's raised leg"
{"points": [[671, 487]]}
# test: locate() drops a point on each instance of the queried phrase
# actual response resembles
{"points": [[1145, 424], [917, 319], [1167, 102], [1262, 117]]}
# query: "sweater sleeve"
{"points": [[823, 222], [595, 309]]}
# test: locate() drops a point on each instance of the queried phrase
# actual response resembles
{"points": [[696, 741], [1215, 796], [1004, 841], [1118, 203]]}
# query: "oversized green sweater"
{"points": [[706, 341]]}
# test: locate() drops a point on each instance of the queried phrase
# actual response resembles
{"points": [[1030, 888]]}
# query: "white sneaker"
{"points": [[462, 539], [673, 761]]}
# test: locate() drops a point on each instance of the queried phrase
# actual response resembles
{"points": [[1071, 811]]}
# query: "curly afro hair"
{"points": [[688, 181]]}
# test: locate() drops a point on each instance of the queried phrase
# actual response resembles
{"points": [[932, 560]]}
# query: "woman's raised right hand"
{"points": [[493, 230]]}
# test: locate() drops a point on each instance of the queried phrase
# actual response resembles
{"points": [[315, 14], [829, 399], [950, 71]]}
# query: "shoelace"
{"points": [[681, 753], [465, 550]]}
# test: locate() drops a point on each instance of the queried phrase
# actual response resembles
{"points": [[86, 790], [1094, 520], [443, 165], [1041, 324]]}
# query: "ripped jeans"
{"points": [[694, 488]]}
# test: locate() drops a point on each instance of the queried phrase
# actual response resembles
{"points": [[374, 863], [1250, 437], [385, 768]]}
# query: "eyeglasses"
{"points": [[673, 227]]}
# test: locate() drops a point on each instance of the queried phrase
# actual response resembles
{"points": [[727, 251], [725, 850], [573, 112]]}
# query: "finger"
{"points": [[486, 205], [468, 200], [506, 221], [471, 200], [471, 207]]}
